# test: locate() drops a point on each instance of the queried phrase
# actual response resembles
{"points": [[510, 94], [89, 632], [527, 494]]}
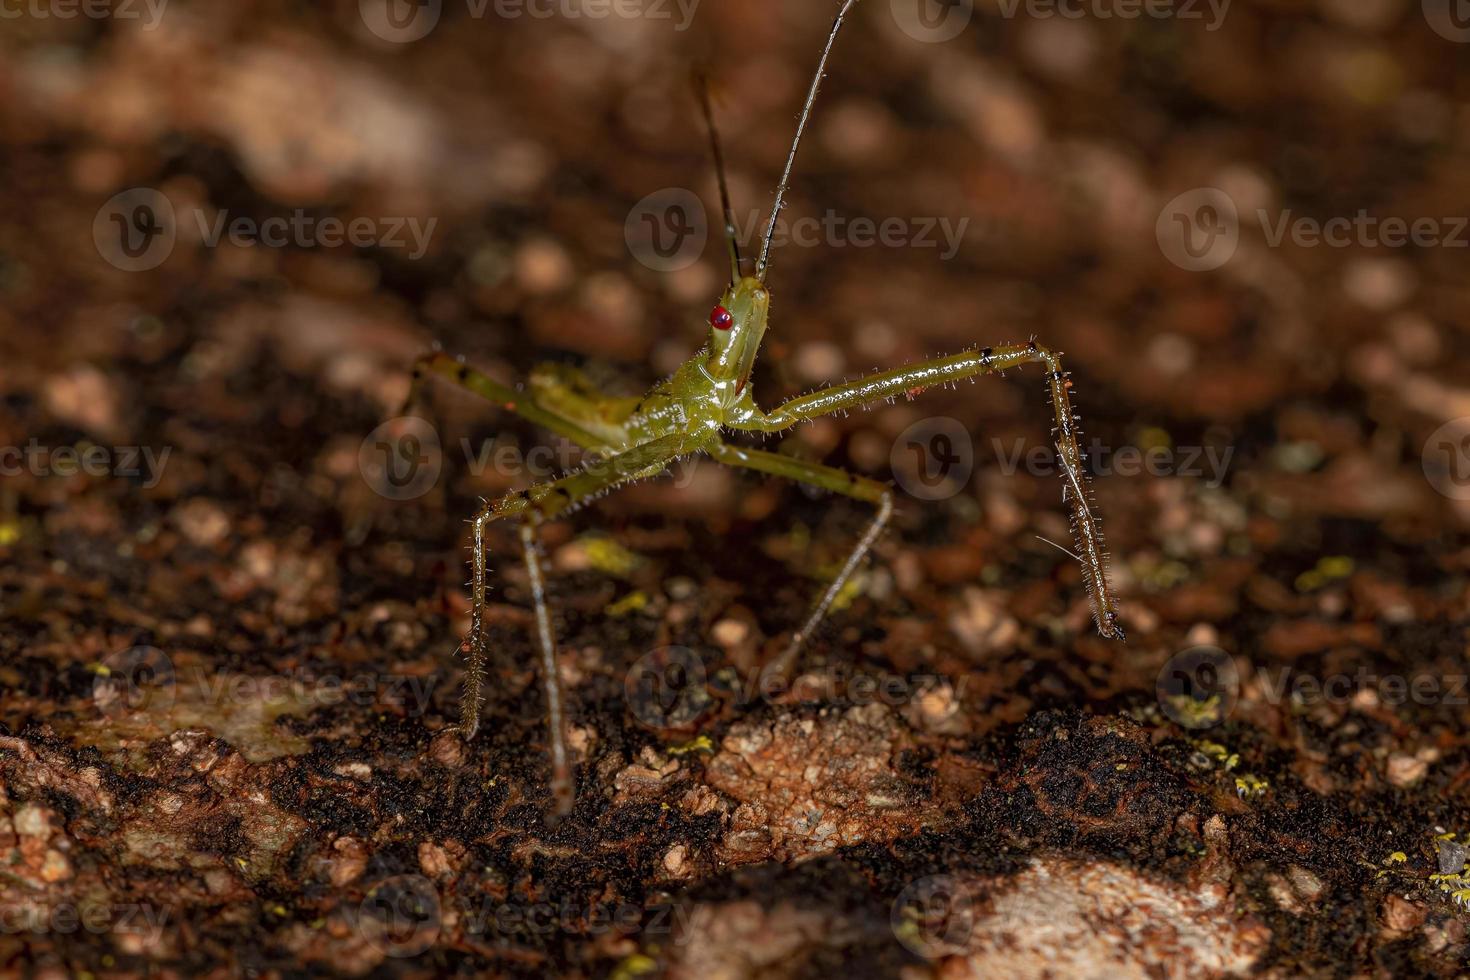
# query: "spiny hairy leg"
{"points": [[531, 507], [826, 478], [914, 378], [521, 403]]}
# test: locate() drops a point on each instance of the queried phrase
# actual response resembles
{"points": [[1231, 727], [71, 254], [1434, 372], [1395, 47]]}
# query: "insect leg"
{"points": [[520, 402], [562, 789], [827, 478], [533, 506], [914, 378]]}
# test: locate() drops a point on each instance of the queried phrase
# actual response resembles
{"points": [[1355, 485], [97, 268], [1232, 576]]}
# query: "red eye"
{"points": [[720, 318]]}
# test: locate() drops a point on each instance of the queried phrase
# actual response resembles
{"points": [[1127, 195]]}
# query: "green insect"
{"points": [[690, 414]]}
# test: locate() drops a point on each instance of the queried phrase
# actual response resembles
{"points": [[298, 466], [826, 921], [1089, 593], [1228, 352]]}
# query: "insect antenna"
{"points": [[806, 112], [701, 91]]}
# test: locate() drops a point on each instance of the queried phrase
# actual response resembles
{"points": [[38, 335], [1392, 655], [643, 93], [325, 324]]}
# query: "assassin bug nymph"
{"points": [[689, 414]]}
